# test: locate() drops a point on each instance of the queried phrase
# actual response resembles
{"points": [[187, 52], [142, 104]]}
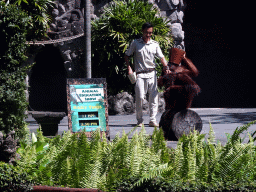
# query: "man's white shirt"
{"points": [[144, 54]]}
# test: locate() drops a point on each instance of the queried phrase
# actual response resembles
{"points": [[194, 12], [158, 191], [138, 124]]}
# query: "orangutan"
{"points": [[180, 89]]}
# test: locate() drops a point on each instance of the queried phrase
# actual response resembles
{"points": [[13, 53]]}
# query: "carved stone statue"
{"points": [[8, 148], [77, 22]]}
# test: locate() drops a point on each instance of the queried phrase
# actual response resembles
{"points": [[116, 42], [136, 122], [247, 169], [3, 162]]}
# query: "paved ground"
{"points": [[223, 120]]}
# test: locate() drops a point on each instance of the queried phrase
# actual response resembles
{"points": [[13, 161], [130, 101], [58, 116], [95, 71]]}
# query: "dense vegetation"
{"points": [[75, 161], [112, 33], [14, 24], [142, 164], [19, 21]]}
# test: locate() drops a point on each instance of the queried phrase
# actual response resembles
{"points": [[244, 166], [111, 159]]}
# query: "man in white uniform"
{"points": [[145, 50]]}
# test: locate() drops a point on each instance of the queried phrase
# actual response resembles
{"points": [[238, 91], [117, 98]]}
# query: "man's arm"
{"points": [[159, 54], [129, 69], [165, 66], [163, 61]]}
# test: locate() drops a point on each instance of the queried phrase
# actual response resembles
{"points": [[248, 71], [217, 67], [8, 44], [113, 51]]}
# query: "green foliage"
{"points": [[13, 101], [214, 166], [75, 161], [14, 24], [13, 179], [36, 153], [20, 20], [112, 33], [236, 156], [141, 164], [38, 11]]}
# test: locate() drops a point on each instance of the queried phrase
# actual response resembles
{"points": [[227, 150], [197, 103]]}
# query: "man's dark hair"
{"points": [[146, 26]]}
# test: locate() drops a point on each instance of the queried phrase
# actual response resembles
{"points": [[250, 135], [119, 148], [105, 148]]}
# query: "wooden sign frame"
{"points": [[87, 82]]}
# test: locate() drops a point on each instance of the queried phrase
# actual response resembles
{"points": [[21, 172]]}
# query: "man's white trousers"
{"points": [[146, 82]]}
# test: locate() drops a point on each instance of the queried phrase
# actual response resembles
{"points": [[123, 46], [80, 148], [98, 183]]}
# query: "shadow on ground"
{"points": [[228, 118]]}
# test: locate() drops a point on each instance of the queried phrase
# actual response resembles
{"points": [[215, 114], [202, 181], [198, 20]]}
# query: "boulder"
{"points": [[176, 16], [177, 32], [123, 103], [176, 123], [166, 125], [185, 121]]}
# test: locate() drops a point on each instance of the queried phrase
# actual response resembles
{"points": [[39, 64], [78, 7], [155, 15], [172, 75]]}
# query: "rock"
{"points": [[124, 104], [175, 2], [128, 107], [177, 32], [179, 45], [175, 124], [185, 121], [161, 103], [145, 105], [176, 16]]}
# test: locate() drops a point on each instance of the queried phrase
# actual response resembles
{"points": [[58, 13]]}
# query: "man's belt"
{"points": [[146, 71]]}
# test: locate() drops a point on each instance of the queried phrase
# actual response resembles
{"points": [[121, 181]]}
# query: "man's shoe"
{"points": [[153, 124]]}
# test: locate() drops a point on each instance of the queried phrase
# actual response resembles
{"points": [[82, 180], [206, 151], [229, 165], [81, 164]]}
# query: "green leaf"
{"points": [[228, 136], [40, 146], [34, 139]]}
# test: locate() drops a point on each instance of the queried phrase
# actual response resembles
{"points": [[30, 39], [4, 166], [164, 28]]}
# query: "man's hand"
{"points": [[166, 70], [130, 70], [165, 66]]}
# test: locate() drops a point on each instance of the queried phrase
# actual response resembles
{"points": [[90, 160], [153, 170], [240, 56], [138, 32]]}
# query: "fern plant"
{"points": [[233, 154], [208, 163], [140, 160], [75, 161]]}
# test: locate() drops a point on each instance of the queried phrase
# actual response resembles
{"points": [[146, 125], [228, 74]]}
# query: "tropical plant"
{"points": [[74, 161], [141, 164], [112, 33], [13, 179], [14, 24], [236, 160], [198, 165], [39, 11], [20, 20]]}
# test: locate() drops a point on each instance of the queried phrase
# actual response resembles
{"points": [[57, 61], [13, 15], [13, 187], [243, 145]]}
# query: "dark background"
{"points": [[218, 40]]}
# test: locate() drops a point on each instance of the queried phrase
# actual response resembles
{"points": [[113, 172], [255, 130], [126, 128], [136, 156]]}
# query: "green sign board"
{"points": [[87, 103]]}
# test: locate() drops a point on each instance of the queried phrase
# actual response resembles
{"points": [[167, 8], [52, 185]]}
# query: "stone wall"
{"points": [[173, 10], [68, 21]]}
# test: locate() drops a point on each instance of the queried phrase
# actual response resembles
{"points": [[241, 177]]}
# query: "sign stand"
{"points": [[87, 105]]}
